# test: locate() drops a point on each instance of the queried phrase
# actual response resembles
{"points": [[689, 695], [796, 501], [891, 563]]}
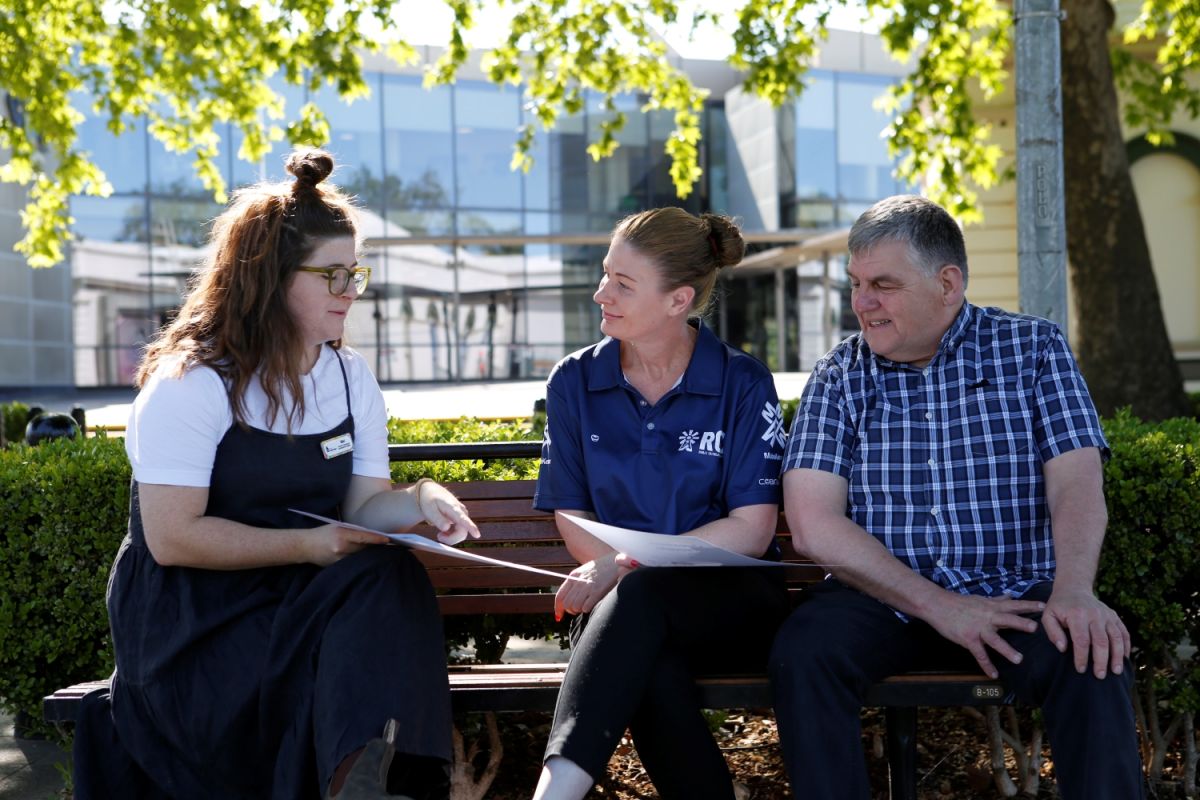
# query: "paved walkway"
{"points": [[28, 768]]}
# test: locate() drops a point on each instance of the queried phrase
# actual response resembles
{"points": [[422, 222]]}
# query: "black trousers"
{"points": [[840, 641], [634, 661]]}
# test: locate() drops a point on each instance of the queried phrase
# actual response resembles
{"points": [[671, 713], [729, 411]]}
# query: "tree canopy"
{"points": [[186, 66]]}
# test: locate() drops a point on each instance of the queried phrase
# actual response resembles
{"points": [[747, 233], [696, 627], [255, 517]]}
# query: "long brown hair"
{"points": [[687, 250], [235, 319]]}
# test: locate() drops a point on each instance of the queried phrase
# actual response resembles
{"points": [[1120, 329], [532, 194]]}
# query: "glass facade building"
{"points": [[481, 272]]}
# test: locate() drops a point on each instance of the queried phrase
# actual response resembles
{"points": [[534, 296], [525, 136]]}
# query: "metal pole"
{"points": [[1041, 217], [780, 323]]}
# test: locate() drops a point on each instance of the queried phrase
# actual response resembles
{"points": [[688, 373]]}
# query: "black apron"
{"points": [[257, 683]]}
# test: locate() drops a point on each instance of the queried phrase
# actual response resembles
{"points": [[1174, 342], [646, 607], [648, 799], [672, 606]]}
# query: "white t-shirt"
{"points": [[176, 423]]}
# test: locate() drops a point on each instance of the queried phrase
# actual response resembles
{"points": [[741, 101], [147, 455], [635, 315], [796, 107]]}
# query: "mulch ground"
{"points": [[953, 759]]}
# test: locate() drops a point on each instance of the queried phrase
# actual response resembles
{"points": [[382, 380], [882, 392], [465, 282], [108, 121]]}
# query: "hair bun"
{"points": [[725, 240], [310, 168]]}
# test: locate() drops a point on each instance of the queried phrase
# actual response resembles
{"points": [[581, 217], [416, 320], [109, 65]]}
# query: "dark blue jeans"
{"points": [[839, 642]]}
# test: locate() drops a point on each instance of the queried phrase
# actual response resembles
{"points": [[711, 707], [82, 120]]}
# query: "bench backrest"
{"points": [[514, 531]]}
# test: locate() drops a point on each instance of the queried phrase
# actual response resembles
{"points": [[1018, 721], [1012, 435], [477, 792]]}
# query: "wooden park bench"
{"points": [[514, 531]]}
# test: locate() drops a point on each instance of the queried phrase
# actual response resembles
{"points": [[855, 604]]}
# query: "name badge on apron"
{"points": [[338, 445]]}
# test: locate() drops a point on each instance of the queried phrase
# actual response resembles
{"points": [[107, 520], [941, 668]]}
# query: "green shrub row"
{"points": [[65, 505], [13, 417], [1150, 567]]}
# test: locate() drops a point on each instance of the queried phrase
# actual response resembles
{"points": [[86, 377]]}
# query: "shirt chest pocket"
{"points": [[997, 421]]}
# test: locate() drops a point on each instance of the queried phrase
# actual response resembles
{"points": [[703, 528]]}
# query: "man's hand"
{"points": [[602, 574], [975, 623], [1092, 627]]}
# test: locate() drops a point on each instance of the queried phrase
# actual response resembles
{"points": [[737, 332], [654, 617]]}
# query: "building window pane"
{"points": [[271, 167], [113, 219], [864, 164], [486, 118], [419, 167], [815, 143], [123, 158]]}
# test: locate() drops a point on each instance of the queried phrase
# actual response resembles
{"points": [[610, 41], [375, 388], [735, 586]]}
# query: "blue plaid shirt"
{"points": [[944, 462]]}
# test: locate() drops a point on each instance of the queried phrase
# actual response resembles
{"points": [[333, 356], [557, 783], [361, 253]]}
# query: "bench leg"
{"points": [[902, 752]]}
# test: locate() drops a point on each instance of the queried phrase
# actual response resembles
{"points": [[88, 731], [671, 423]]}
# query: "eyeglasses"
{"points": [[339, 277]]}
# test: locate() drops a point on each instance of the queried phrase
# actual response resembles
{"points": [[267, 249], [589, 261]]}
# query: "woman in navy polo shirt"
{"points": [[659, 427]]}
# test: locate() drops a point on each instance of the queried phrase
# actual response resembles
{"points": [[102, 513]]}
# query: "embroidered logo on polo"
{"points": [[707, 443], [774, 436]]}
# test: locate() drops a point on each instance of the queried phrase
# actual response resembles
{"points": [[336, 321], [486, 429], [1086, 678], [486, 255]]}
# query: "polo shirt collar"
{"points": [[705, 373]]}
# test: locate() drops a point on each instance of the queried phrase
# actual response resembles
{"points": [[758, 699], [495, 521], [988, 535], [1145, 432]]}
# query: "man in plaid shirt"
{"points": [[945, 466]]}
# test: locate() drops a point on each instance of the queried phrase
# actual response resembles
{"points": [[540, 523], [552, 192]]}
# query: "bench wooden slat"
{"points": [[518, 687], [554, 555], [523, 603]]}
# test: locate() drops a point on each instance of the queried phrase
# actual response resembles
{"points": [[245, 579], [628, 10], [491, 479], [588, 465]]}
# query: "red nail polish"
{"points": [[633, 563], [558, 617]]}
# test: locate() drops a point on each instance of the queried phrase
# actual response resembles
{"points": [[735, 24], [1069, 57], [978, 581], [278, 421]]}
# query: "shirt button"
{"points": [[643, 402], [934, 511], [933, 462], [649, 426], [941, 563], [928, 415]]}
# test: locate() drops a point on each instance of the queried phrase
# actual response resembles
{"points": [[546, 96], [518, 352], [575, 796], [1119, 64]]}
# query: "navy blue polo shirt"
{"points": [[713, 443]]}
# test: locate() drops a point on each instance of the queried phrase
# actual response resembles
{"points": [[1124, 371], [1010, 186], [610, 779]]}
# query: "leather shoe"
{"points": [[367, 779]]}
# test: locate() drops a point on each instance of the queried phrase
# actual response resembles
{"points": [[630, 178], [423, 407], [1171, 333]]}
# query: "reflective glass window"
{"points": [[271, 166], [864, 166], [717, 153], [486, 119], [419, 222], [540, 176], [173, 174], [356, 140], [418, 161], [123, 158], [185, 222], [816, 150], [113, 219]]}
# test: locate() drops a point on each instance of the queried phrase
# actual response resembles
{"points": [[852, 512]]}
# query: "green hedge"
{"points": [[1150, 567], [65, 505], [13, 417]]}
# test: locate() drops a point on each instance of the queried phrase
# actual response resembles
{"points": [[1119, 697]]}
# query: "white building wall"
{"points": [[753, 161]]}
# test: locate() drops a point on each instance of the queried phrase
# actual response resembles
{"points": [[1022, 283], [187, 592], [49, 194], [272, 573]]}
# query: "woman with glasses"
{"points": [[260, 653]]}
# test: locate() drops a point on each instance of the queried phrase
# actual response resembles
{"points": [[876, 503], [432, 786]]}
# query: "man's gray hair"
{"points": [[933, 237]]}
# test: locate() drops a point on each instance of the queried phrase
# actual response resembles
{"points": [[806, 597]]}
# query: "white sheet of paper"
{"points": [[421, 543], [657, 550]]}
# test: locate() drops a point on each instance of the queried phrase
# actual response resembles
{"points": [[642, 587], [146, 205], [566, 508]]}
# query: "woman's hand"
{"points": [[601, 575], [329, 544], [444, 511]]}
